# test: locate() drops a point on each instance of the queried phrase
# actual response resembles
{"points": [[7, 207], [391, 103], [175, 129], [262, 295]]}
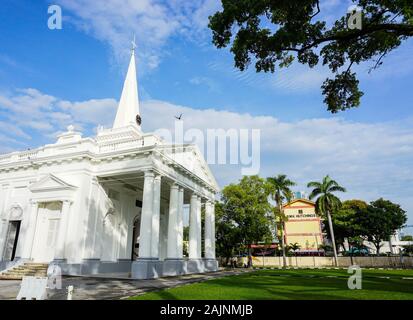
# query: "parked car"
{"points": [[359, 251]]}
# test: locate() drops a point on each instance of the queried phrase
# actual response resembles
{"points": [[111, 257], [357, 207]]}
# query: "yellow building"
{"points": [[303, 225]]}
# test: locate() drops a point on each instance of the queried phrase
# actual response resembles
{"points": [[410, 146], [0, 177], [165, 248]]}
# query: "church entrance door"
{"points": [[135, 237], [11, 240], [47, 227]]}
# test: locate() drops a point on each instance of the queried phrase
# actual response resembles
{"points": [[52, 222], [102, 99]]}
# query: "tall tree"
{"points": [[345, 221], [381, 220], [227, 234], [275, 33], [245, 213], [407, 237], [280, 191], [327, 203]]}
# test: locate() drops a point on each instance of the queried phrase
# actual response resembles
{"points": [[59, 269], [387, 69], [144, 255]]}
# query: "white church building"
{"points": [[110, 203]]}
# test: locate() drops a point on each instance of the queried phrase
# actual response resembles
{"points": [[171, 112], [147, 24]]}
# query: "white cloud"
{"points": [[297, 79], [154, 23], [115, 22], [94, 111], [28, 112], [13, 130], [207, 82]]}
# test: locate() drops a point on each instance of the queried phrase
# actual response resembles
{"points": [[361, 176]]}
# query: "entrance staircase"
{"points": [[25, 269]]}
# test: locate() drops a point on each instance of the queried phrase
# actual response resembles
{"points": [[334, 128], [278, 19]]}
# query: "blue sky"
{"points": [[52, 78]]}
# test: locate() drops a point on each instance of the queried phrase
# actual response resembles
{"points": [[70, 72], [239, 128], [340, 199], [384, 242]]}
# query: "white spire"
{"points": [[128, 107]]}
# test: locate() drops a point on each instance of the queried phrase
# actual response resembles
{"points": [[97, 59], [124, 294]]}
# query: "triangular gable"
{"points": [[204, 168], [50, 182], [191, 158], [293, 203]]}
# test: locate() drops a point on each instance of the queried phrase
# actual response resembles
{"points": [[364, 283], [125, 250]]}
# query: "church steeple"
{"points": [[128, 109]]}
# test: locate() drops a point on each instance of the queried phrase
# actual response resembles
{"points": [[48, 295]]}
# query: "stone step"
{"points": [[19, 276], [31, 264], [5, 277], [26, 269], [26, 272]]}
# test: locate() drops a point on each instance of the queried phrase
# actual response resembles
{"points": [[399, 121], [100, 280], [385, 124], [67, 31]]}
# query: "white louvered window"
{"points": [[52, 232]]}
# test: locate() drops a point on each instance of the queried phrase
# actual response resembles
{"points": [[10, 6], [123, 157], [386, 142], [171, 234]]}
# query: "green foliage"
{"points": [[342, 92], [243, 215], [407, 238], [186, 241], [380, 221], [273, 34], [279, 188], [345, 222], [357, 246], [294, 247], [408, 249], [326, 201], [186, 233], [227, 234], [325, 247]]}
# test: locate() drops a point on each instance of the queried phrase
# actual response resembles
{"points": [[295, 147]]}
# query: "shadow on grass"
{"points": [[289, 285]]}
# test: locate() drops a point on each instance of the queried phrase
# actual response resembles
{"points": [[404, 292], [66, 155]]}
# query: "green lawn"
{"points": [[294, 285]]}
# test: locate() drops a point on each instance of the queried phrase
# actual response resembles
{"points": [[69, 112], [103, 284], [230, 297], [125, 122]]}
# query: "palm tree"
{"points": [[295, 247], [280, 191], [327, 203]]}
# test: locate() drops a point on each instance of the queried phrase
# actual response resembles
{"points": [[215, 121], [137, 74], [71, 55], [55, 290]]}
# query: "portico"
{"points": [[150, 262]]}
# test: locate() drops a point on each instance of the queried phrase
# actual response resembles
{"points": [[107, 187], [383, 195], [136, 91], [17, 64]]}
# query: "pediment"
{"points": [[50, 183], [191, 158]]}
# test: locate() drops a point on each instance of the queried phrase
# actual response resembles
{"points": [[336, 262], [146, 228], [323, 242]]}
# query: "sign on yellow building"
{"points": [[303, 225]]}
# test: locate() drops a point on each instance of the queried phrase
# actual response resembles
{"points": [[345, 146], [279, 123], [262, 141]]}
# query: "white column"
{"points": [[198, 229], [146, 218], [61, 240], [209, 217], [31, 228], [172, 250], [193, 227], [213, 230], [156, 217], [3, 219], [180, 224], [163, 241]]}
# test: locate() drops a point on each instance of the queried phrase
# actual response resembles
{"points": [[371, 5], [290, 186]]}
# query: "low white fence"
{"points": [[308, 262]]}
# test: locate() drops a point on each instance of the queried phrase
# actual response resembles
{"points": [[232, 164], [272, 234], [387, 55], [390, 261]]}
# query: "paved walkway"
{"points": [[103, 288]]}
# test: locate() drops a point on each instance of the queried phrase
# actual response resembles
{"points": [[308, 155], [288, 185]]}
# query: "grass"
{"points": [[294, 285]]}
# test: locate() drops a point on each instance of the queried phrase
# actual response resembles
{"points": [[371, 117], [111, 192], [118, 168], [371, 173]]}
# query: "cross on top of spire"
{"points": [[133, 42]]}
